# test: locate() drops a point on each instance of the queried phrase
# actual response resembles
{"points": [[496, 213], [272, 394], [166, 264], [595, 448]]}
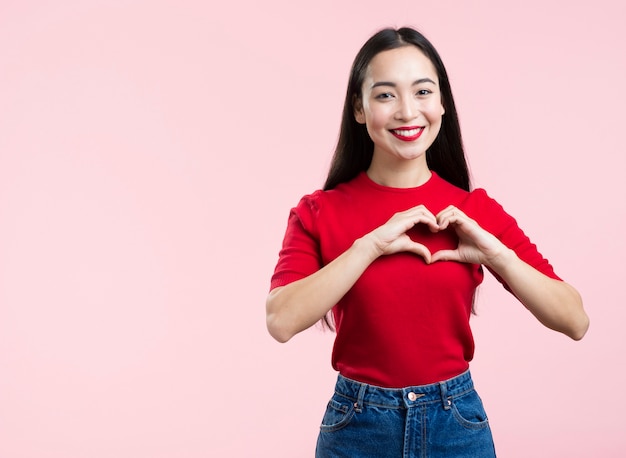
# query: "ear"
{"points": [[358, 110]]}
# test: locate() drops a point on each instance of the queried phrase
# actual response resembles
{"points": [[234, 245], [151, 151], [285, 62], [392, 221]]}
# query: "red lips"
{"points": [[407, 134]]}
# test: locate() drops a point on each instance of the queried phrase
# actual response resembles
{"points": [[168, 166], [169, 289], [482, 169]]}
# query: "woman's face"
{"points": [[400, 104]]}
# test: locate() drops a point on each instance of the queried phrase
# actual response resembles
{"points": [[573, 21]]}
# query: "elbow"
{"points": [[581, 323], [275, 321], [578, 322], [578, 332], [277, 330]]}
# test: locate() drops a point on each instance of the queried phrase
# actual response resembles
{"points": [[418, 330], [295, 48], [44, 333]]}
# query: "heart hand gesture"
{"points": [[476, 245]]}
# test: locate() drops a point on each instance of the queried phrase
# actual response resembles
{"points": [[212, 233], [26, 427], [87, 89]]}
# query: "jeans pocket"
{"points": [[468, 411], [339, 412]]}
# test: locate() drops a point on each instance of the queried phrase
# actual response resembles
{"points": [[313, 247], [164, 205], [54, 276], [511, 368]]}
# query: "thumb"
{"points": [[420, 250], [446, 255]]}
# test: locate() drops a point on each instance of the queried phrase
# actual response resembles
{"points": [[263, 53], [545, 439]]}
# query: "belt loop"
{"points": [[444, 396], [358, 405]]}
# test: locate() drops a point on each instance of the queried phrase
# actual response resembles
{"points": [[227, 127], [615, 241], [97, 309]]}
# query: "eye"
{"points": [[384, 96], [423, 92]]}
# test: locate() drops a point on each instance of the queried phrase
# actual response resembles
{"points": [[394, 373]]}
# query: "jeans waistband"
{"points": [[364, 394]]}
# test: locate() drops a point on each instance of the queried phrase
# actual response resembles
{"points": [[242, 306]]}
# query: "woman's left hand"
{"points": [[555, 303], [476, 245]]}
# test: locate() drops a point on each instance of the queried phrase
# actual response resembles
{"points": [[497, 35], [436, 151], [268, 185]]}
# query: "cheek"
{"points": [[377, 119], [434, 113]]}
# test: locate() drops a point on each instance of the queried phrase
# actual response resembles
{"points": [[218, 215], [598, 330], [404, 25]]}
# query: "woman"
{"points": [[393, 247]]}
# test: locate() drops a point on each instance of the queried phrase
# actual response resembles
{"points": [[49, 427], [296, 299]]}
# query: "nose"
{"points": [[407, 109]]}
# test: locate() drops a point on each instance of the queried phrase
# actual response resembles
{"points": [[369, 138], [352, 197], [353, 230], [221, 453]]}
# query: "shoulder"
{"points": [[487, 211], [310, 202], [491, 216], [478, 201], [307, 209], [313, 208], [330, 200]]}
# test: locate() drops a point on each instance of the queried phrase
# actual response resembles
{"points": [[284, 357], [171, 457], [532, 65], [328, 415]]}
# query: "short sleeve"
{"points": [[492, 217], [300, 255]]}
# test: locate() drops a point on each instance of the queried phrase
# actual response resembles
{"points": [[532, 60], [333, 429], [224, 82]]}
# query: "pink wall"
{"points": [[150, 152]]}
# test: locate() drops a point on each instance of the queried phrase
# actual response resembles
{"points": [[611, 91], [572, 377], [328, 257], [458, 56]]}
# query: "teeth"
{"points": [[407, 133]]}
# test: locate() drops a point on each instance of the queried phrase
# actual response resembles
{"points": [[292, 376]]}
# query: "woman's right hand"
{"points": [[392, 236], [295, 307]]}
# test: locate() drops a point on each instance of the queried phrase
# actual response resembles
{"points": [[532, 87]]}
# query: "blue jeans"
{"points": [[445, 419]]}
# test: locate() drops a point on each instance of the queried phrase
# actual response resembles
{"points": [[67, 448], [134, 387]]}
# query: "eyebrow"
{"points": [[388, 83]]}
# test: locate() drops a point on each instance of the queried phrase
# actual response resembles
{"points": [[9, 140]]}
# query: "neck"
{"points": [[407, 174]]}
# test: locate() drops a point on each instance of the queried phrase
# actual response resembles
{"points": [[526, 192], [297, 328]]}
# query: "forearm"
{"points": [[297, 306], [554, 303]]}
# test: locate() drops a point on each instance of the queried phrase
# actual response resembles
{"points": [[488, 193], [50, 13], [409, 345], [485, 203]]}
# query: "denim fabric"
{"points": [[445, 419]]}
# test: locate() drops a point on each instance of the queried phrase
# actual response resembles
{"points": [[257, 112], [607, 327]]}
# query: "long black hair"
{"points": [[355, 148]]}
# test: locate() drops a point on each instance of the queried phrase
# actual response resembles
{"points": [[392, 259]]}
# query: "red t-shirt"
{"points": [[404, 322]]}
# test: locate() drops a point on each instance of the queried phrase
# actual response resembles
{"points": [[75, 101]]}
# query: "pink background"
{"points": [[150, 152]]}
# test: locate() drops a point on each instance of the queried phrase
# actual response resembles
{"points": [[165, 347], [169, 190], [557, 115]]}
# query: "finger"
{"points": [[450, 211], [407, 220], [421, 215], [431, 223], [421, 208], [443, 217], [451, 215]]}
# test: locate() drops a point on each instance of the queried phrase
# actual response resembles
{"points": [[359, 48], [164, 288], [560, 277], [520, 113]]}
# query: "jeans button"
{"points": [[412, 396]]}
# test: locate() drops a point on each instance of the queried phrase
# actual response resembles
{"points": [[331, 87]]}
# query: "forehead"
{"points": [[407, 62]]}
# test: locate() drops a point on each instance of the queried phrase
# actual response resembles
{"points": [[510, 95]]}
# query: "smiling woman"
{"points": [[401, 100], [393, 248]]}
